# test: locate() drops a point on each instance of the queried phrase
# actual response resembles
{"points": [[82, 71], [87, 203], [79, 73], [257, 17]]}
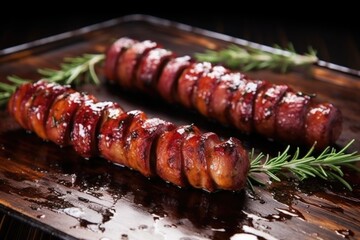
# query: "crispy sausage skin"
{"points": [[150, 68], [113, 54], [274, 111], [323, 124], [169, 157], [167, 84], [228, 159], [126, 73], [60, 119], [20, 102], [85, 125], [205, 87], [181, 155], [265, 108], [39, 106]]}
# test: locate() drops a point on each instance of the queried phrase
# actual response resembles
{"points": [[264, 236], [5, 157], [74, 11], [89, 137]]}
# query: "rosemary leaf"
{"points": [[72, 71], [254, 59], [326, 165]]}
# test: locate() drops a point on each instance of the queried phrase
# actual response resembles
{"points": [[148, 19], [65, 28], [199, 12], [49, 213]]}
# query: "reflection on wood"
{"points": [[59, 192]]}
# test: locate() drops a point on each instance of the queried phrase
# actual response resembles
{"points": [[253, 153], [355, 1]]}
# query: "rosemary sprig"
{"points": [[254, 59], [75, 71], [327, 165], [7, 89]]}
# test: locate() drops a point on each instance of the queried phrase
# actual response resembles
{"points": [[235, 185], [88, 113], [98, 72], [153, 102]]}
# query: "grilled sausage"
{"points": [[181, 155], [62, 111], [130, 60], [113, 54], [167, 84], [274, 111], [150, 67]]}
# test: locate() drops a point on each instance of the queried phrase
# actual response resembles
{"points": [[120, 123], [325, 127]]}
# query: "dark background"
{"points": [[333, 30]]}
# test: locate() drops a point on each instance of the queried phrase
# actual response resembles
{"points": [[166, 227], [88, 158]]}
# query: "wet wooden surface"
{"points": [[70, 197]]}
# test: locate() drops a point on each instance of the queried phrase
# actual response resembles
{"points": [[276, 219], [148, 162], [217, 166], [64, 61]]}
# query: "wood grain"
{"points": [[59, 192]]}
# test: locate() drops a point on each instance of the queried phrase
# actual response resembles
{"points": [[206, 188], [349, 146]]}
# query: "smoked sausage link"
{"points": [[181, 155], [252, 106]]}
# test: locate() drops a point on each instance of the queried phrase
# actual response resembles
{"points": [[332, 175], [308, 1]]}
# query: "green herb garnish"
{"points": [[248, 59], [327, 165], [74, 71]]}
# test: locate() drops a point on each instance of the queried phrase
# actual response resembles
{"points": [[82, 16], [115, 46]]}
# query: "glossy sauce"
{"points": [[39, 178]]}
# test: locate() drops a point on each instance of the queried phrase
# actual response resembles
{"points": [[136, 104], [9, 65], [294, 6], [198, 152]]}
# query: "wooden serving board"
{"points": [[73, 198]]}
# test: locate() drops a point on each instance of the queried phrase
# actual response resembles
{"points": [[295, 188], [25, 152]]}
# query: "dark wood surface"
{"points": [[65, 196]]}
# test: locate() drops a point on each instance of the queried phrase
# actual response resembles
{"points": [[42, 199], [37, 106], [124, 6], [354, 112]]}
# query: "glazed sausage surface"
{"points": [[251, 106], [181, 155]]}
